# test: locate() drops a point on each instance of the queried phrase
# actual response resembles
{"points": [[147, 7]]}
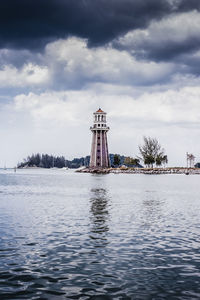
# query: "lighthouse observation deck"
{"points": [[99, 127]]}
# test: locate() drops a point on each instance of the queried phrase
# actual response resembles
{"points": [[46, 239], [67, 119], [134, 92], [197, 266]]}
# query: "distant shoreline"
{"points": [[41, 168]]}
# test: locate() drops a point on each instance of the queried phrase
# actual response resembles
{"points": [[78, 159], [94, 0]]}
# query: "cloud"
{"points": [[79, 64], [19, 57], [56, 107], [28, 75], [32, 24], [167, 108], [185, 5], [154, 42], [171, 107], [166, 39], [71, 64]]}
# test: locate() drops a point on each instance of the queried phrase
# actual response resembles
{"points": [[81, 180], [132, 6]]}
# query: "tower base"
{"points": [[99, 152]]}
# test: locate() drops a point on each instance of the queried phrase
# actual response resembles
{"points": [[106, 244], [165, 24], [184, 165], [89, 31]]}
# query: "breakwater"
{"points": [[150, 171]]}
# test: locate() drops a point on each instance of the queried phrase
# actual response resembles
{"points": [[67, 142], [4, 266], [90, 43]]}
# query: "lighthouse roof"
{"points": [[100, 110]]}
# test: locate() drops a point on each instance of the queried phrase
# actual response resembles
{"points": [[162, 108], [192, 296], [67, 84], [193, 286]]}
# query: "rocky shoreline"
{"points": [[150, 171]]}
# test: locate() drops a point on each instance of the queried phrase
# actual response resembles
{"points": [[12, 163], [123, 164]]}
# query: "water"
{"points": [[65, 235]]}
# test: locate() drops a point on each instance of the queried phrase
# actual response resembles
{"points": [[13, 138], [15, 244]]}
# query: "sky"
{"points": [[60, 60]]}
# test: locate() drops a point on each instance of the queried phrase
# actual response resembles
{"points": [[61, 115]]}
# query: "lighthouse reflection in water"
{"points": [[99, 215]]}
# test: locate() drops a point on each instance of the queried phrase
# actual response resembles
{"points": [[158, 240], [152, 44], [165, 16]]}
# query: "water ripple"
{"points": [[77, 236]]}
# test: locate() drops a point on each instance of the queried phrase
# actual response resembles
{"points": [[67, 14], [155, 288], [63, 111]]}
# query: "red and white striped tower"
{"points": [[99, 153]]}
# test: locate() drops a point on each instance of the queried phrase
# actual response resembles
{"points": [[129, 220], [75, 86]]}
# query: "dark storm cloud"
{"points": [[186, 5], [171, 39], [169, 50], [31, 23], [18, 58]]}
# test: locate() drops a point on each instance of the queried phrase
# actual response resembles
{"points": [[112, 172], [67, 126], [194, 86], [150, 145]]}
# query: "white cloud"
{"points": [[70, 63], [56, 107], [28, 75], [102, 64], [173, 106]]}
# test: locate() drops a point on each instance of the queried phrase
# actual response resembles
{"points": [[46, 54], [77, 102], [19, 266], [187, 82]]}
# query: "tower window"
{"points": [[98, 144], [98, 150], [98, 157], [98, 164]]}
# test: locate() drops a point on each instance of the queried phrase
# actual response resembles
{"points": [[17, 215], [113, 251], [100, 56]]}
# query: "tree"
{"points": [[190, 160], [152, 152], [161, 159], [130, 161], [116, 160]]}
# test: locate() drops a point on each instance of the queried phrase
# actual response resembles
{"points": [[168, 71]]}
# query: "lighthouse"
{"points": [[99, 152]]}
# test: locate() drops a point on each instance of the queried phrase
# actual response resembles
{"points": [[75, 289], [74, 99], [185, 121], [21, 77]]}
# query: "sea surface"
{"points": [[67, 235]]}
